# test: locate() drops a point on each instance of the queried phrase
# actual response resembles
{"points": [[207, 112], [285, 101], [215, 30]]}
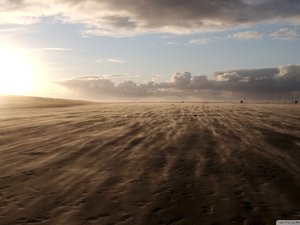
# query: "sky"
{"points": [[151, 49]]}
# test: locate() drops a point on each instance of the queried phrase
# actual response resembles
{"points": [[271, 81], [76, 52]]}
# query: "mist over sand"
{"points": [[80, 163]]}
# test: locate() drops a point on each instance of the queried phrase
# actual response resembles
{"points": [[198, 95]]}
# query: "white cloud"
{"points": [[9, 30], [54, 49], [118, 61], [246, 35], [285, 34], [172, 43], [202, 41]]}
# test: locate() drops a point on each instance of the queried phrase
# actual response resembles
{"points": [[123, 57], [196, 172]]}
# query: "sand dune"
{"points": [[162, 163]]}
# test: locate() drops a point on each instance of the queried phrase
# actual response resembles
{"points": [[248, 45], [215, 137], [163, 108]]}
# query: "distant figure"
{"points": [[296, 102], [241, 102]]}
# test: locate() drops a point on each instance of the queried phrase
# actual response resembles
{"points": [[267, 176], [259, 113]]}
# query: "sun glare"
{"points": [[16, 72]]}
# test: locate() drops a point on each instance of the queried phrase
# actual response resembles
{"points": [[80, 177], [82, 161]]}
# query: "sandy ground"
{"points": [[148, 163]]}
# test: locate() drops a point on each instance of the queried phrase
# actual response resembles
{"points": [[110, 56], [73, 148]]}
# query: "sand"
{"points": [[75, 163]]}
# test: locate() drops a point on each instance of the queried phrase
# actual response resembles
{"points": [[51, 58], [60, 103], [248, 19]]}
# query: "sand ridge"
{"points": [[163, 163]]}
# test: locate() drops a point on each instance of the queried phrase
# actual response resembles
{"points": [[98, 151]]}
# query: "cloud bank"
{"points": [[282, 83], [130, 17]]}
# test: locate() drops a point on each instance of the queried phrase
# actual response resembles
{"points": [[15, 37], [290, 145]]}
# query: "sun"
{"points": [[16, 72]]}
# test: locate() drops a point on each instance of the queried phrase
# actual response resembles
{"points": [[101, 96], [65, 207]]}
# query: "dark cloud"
{"points": [[129, 17], [181, 80], [281, 83]]}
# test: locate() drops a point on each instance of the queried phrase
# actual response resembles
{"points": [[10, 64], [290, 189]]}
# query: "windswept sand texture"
{"points": [[148, 163]]}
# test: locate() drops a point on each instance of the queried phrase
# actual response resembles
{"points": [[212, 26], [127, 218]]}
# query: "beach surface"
{"points": [[80, 163]]}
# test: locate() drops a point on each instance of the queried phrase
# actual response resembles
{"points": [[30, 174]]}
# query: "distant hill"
{"points": [[14, 101]]}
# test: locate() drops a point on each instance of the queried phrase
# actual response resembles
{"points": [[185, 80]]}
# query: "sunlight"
{"points": [[16, 72]]}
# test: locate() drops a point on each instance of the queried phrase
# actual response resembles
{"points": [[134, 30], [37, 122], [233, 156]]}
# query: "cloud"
{"points": [[54, 49], [9, 30], [106, 76], [202, 41], [247, 35], [131, 17], [89, 87], [285, 34], [181, 80], [118, 61], [172, 43], [290, 75], [280, 83]]}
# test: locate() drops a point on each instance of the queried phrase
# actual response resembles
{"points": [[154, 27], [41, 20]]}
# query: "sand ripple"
{"points": [[149, 164]]}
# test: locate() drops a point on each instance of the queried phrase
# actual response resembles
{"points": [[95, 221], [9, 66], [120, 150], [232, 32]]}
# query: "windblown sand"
{"points": [[78, 163]]}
